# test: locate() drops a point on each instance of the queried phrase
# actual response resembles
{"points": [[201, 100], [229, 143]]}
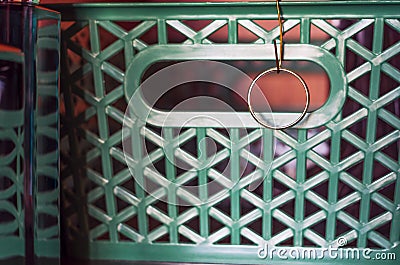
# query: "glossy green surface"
{"points": [[44, 164], [11, 56], [120, 221], [11, 245], [299, 52], [47, 237]]}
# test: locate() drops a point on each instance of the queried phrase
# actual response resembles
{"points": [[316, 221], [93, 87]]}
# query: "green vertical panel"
{"points": [[98, 79], [94, 37], [162, 31], [268, 151], [29, 157], [395, 228], [235, 194], [137, 153], [47, 132], [305, 30], [202, 174], [108, 188], [73, 142], [128, 52], [371, 130], [99, 84], [170, 174], [333, 183], [341, 49], [97, 73], [300, 179], [232, 31], [19, 179]]}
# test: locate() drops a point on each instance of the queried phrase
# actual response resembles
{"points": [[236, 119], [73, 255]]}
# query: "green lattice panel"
{"points": [[47, 134], [11, 201], [45, 139], [352, 194]]}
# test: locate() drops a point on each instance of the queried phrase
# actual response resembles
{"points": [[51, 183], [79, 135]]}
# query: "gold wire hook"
{"points": [[277, 69], [279, 61]]}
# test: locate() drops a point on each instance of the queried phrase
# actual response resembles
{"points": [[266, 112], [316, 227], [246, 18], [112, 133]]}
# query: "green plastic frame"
{"points": [[111, 238], [293, 52]]}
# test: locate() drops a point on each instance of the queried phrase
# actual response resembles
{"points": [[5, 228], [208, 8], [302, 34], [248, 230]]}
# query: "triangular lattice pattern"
{"points": [[352, 191]]}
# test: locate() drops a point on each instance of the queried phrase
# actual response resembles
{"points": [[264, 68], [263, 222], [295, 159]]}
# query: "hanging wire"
{"points": [[279, 61]]}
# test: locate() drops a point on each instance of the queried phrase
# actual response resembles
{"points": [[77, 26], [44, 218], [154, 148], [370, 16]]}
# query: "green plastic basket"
{"points": [[29, 133], [352, 200]]}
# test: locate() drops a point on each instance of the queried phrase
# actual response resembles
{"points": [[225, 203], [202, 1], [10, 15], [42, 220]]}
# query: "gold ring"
{"points": [[263, 123]]}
